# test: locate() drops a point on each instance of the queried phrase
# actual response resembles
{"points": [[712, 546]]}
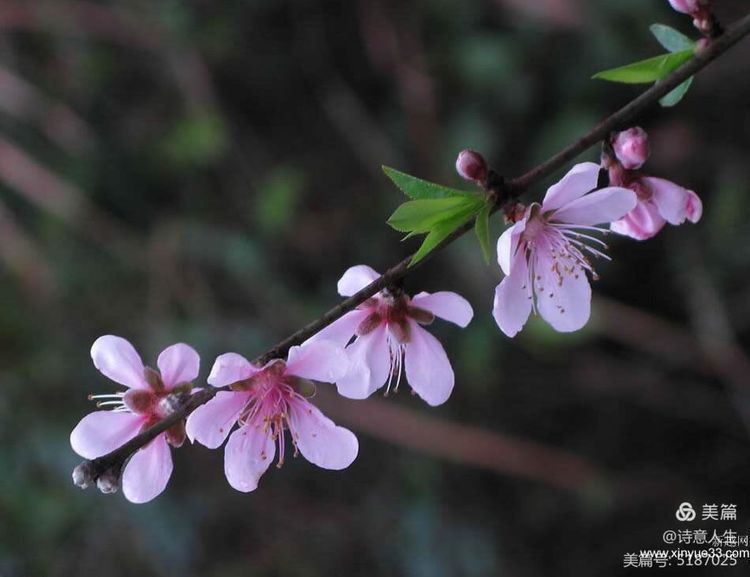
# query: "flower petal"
{"points": [[320, 361], [147, 473], [230, 368], [605, 205], [247, 456], [446, 305], [355, 279], [118, 360], [369, 365], [578, 181], [211, 423], [670, 198], [694, 208], [641, 223], [101, 432], [566, 304], [178, 364], [512, 304], [507, 245], [319, 439], [341, 330], [427, 366]]}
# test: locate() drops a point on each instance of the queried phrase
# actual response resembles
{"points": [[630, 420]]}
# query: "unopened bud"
{"points": [[471, 166], [631, 147], [109, 481], [685, 6], [83, 475]]}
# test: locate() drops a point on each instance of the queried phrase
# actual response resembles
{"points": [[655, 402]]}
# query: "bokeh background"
{"points": [[205, 171]]}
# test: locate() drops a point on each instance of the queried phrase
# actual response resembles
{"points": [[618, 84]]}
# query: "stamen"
{"points": [[107, 396]]}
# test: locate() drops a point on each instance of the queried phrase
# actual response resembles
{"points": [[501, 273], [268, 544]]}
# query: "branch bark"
{"points": [[509, 190]]}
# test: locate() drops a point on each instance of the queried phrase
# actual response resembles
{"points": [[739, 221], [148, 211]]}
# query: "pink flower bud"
{"points": [[685, 6], [631, 147], [471, 166]]}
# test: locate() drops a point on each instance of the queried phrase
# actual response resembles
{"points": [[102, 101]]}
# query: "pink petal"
{"points": [[230, 368], [369, 365], [641, 223], [101, 432], [567, 305], [178, 364], [605, 205], [428, 369], [319, 439], [320, 361], [118, 360], [694, 208], [446, 305], [355, 279], [211, 423], [670, 198], [147, 473], [342, 330], [507, 245], [247, 456], [512, 304], [580, 179]]}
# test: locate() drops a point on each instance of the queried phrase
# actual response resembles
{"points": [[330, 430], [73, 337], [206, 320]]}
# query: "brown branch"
{"points": [[92, 470]]}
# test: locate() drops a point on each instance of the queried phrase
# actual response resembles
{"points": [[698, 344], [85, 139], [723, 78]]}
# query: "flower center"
{"points": [[555, 251], [271, 392], [395, 310], [153, 405]]}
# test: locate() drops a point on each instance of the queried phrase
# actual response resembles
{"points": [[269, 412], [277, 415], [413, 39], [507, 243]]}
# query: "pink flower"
{"points": [[631, 147], [659, 201], [266, 401], [685, 6], [390, 339], [151, 396], [544, 255]]}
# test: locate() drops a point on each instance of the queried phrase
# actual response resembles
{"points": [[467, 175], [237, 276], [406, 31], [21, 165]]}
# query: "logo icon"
{"points": [[685, 512]]}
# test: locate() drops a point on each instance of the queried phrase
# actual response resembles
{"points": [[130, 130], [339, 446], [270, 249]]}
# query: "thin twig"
{"points": [[510, 190]]}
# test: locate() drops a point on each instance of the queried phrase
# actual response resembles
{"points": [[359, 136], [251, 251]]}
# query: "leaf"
{"points": [[677, 94], [482, 228], [434, 238], [422, 215], [418, 189], [646, 71], [444, 228], [671, 39]]}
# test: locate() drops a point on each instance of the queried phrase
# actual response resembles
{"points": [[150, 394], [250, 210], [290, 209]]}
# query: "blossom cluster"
{"points": [[546, 255], [258, 407]]}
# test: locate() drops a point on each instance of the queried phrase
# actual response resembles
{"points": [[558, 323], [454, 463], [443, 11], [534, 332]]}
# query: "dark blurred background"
{"points": [[205, 171]]}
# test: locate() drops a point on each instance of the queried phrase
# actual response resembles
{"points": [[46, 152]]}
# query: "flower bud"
{"points": [[631, 147], [685, 6], [109, 481], [83, 475], [471, 166]]}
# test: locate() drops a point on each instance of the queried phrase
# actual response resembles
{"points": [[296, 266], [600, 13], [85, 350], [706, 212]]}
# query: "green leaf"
{"points": [[677, 94], [646, 71], [671, 39], [444, 228], [434, 238], [422, 215], [419, 189], [482, 228]]}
